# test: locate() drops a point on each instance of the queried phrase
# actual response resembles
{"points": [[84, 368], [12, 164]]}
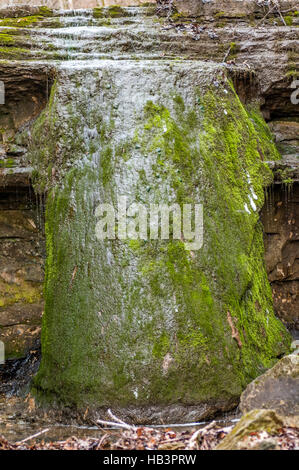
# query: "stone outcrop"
{"points": [[280, 220], [152, 328], [72, 4], [227, 8], [21, 263], [277, 389], [268, 403], [262, 42], [256, 421]]}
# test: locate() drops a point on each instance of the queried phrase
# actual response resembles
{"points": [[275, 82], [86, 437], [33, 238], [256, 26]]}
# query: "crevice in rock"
{"points": [[281, 210], [245, 83]]}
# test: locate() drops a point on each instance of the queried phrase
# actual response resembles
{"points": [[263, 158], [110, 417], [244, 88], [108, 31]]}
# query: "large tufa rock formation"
{"points": [[148, 326]]}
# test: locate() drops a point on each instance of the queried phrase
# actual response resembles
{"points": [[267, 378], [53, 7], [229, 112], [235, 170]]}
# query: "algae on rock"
{"points": [[148, 326]]}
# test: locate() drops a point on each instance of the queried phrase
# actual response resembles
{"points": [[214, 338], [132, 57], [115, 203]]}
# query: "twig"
{"points": [[227, 54], [112, 423], [193, 439], [282, 18], [33, 436], [268, 13], [117, 420], [102, 440]]}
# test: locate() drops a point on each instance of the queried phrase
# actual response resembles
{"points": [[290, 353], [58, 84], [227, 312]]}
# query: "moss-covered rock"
{"points": [[151, 326], [253, 422], [115, 11]]}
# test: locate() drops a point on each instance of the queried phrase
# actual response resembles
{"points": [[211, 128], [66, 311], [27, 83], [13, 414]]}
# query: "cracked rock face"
{"points": [[22, 248], [21, 272], [72, 4]]}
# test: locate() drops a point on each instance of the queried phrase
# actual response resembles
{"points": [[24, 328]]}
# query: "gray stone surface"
{"points": [[276, 389]]}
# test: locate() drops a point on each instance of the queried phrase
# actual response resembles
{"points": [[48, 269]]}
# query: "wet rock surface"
{"points": [[16, 374], [67, 4]]}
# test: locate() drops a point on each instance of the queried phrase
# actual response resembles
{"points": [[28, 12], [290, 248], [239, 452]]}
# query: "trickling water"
{"points": [[79, 35]]}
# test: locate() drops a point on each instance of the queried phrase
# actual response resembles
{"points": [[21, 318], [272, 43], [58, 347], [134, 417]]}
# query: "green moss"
{"points": [[219, 14], [45, 11], [234, 49], [180, 18], [267, 148], [6, 38], [285, 176], [106, 165], [292, 68], [288, 20], [25, 292], [7, 163], [221, 24], [223, 164], [26, 22], [292, 73], [114, 11], [14, 53]]}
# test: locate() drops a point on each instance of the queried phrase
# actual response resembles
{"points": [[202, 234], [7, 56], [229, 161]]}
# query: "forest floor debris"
{"points": [[146, 438]]}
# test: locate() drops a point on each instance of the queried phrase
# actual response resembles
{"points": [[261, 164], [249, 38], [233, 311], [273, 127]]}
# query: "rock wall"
{"points": [[21, 272], [72, 4], [155, 316], [280, 219], [226, 8], [22, 248]]}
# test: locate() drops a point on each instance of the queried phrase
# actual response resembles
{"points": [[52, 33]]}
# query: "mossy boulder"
{"points": [[151, 327]]}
